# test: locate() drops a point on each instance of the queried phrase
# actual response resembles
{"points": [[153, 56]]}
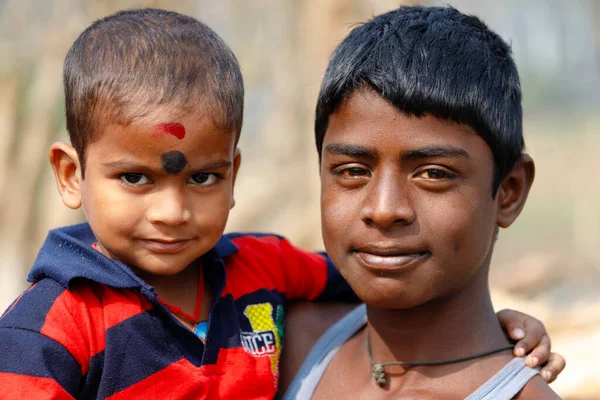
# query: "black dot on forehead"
{"points": [[173, 162]]}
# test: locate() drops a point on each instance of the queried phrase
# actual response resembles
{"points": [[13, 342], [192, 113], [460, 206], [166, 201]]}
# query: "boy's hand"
{"points": [[530, 332]]}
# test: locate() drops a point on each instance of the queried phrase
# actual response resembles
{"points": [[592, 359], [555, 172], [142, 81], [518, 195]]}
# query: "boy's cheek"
{"points": [[458, 230], [107, 210], [212, 214]]}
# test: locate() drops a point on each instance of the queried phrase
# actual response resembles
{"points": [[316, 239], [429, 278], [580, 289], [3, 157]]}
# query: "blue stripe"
{"points": [[30, 311], [93, 378], [31, 353], [141, 346]]}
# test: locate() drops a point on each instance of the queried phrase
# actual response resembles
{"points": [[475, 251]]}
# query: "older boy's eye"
{"points": [[203, 179], [351, 172], [134, 178], [435, 174]]}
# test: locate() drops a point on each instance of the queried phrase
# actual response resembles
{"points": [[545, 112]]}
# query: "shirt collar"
{"points": [[67, 255]]}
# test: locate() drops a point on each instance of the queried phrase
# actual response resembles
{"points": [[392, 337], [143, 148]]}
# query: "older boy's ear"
{"points": [[237, 161], [65, 163], [513, 191]]}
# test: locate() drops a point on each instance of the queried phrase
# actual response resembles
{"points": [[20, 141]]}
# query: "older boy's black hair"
{"points": [[433, 61], [125, 63]]}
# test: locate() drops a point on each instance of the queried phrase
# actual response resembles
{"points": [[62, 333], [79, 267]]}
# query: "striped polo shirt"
{"points": [[89, 328]]}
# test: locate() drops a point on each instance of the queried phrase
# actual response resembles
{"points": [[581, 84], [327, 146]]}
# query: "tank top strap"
{"points": [[507, 382], [312, 369]]}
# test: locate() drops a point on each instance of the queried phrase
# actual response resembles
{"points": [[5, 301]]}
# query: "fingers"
{"points": [[555, 365], [539, 355], [529, 332], [512, 323]]}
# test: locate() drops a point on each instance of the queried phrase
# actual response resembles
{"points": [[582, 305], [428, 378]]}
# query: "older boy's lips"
{"points": [[389, 260], [165, 245]]}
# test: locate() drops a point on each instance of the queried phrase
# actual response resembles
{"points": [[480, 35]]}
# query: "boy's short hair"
{"points": [[133, 59], [433, 61]]}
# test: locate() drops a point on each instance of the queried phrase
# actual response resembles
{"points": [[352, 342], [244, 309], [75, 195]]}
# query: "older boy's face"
{"points": [[157, 193], [407, 211]]}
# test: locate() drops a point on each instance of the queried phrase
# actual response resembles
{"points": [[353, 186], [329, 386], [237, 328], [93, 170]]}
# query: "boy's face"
{"points": [[157, 192], [407, 210]]}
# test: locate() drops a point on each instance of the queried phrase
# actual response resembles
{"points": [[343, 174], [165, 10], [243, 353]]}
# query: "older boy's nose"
{"points": [[168, 207], [387, 203]]}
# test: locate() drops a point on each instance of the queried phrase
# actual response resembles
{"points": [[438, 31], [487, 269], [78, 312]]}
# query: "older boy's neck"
{"points": [[457, 326]]}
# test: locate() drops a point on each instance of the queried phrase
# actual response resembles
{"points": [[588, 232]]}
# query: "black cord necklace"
{"points": [[378, 369]]}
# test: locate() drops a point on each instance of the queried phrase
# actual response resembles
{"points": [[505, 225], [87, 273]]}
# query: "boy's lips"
{"points": [[387, 258], [159, 245]]}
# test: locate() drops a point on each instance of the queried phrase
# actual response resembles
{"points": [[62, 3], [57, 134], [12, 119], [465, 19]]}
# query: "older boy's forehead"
{"points": [[367, 126], [372, 113]]}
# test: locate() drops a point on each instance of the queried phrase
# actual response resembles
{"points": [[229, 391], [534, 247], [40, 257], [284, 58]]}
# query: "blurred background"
{"points": [[547, 264]]}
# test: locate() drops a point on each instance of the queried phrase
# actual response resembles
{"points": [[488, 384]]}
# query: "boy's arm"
{"points": [[300, 274]]}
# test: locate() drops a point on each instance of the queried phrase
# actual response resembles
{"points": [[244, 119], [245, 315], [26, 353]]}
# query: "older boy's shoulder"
{"points": [[305, 322], [536, 388]]}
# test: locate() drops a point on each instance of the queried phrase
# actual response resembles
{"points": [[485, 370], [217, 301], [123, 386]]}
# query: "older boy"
{"points": [[149, 300], [418, 128]]}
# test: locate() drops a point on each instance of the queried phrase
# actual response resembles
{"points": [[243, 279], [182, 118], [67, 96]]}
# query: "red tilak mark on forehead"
{"points": [[170, 128]]}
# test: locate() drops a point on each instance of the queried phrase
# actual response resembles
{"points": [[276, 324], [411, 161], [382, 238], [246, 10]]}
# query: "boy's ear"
{"points": [[513, 191], [67, 172], [237, 160]]}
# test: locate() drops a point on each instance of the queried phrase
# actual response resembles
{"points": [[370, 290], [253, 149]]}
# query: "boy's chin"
{"points": [[397, 297], [162, 267]]}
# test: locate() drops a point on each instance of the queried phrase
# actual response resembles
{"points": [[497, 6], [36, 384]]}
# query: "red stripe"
{"points": [[237, 375], [120, 305], [167, 384], [13, 386], [256, 265], [274, 264], [78, 319], [240, 375]]}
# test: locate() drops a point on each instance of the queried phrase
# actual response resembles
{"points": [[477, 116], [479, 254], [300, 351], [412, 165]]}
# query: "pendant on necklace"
{"points": [[379, 374], [200, 330]]}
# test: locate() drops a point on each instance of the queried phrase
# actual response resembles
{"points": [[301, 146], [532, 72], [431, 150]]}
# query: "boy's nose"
{"points": [[168, 207], [387, 203]]}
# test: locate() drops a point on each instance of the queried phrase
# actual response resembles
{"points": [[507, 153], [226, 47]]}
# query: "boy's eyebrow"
{"points": [[215, 164], [122, 164], [349, 150], [127, 164], [423, 152], [434, 151]]}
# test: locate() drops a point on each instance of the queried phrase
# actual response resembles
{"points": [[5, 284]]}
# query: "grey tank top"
{"points": [[505, 384]]}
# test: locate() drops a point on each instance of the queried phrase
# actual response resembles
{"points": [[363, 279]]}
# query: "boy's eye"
{"points": [[135, 178], [203, 179], [351, 172], [435, 174]]}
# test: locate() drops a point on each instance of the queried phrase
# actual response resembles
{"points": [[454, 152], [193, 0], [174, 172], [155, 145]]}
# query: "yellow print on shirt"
{"points": [[267, 334]]}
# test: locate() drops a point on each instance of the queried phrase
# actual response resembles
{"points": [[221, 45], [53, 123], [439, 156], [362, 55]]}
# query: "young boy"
{"points": [[121, 307], [418, 128], [148, 299]]}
